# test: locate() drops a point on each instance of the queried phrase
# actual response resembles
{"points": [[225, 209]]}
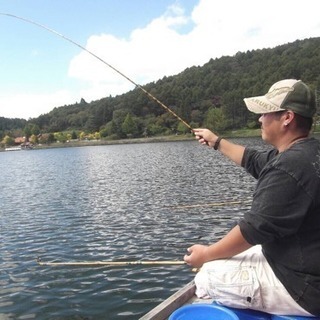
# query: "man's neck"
{"points": [[290, 140]]}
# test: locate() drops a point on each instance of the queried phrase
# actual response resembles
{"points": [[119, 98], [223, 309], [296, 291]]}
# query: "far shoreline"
{"points": [[253, 133]]}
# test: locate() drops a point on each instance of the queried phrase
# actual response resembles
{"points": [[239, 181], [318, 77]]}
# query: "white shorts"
{"points": [[246, 281]]}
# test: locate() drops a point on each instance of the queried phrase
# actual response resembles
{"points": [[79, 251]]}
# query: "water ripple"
{"points": [[128, 202]]}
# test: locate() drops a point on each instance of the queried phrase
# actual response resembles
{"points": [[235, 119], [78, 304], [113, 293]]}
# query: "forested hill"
{"points": [[210, 95]]}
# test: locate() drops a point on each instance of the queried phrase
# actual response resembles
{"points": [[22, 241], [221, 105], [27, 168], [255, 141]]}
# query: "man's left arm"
{"points": [[230, 245]]}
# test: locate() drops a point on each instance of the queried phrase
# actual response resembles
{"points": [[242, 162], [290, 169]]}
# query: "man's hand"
{"points": [[198, 255], [205, 136]]}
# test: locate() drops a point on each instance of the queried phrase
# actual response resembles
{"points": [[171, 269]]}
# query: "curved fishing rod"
{"points": [[103, 61]]}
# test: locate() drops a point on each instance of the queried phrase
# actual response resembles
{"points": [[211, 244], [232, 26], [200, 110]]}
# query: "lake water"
{"points": [[119, 202]]}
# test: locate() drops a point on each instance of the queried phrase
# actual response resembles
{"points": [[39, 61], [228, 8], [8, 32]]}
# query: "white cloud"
{"points": [[149, 54], [219, 28], [161, 48], [32, 105]]}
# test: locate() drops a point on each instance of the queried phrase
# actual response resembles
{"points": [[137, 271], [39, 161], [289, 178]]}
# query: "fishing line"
{"points": [[103, 61]]}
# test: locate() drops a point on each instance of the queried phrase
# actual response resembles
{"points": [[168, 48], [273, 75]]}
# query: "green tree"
{"points": [[60, 137], [129, 126], [215, 119], [35, 129], [8, 141], [181, 128], [82, 135], [74, 135], [51, 138], [103, 132], [28, 131], [118, 118], [33, 139], [111, 129], [155, 129]]}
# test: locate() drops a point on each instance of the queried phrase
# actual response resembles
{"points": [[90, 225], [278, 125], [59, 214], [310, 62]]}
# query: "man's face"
{"points": [[271, 124]]}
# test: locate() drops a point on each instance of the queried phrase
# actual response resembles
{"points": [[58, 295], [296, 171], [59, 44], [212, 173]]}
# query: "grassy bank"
{"points": [[242, 133], [81, 143]]}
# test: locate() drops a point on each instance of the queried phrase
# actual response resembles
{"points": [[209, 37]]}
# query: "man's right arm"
{"points": [[231, 150]]}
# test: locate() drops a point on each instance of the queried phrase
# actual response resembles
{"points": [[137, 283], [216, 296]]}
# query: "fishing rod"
{"points": [[114, 263], [104, 62], [110, 263], [212, 204]]}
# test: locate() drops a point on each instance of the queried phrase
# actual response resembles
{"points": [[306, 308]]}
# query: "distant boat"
{"points": [[26, 146], [23, 146], [13, 148]]}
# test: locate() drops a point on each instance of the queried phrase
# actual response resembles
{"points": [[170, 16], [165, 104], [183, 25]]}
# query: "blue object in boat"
{"points": [[275, 317], [203, 312], [249, 314]]}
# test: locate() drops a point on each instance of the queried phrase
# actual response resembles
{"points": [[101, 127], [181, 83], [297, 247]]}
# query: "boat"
{"points": [[186, 298], [185, 295], [13, 148], [23, 146]]}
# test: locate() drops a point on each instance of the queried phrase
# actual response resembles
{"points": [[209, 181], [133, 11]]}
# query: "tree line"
{"points": [[210, 95]]}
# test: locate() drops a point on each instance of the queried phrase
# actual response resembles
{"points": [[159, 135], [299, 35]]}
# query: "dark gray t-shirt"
{"points": [[285, 216]]}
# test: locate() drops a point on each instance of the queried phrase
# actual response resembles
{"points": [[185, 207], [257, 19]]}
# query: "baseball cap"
{"points": [[288, 94]]}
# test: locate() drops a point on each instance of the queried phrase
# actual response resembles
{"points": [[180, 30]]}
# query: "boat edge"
{"points": [[165, 308]]}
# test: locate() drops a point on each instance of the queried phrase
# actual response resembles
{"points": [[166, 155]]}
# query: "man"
{"points": [[271, 260]]}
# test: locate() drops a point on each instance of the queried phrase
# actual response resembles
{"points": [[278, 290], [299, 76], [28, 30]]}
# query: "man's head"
{"points": [[286, 94]]}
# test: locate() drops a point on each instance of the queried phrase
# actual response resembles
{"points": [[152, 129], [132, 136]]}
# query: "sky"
{"points": [[144, 39]]}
